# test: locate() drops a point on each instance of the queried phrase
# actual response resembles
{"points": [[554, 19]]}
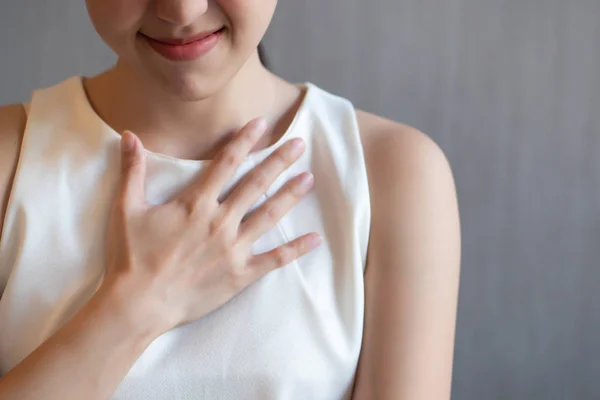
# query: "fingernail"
{"points": [[315, 240], [261, 124], [127, 142], [297, 144], [306, 180]]}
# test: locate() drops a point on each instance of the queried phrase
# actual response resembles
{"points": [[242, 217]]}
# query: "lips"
{"points": [[186, 40], [185, 49]]}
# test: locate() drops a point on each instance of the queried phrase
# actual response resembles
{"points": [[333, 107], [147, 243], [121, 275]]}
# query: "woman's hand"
{"points": [[174, 263], [166, 265]]}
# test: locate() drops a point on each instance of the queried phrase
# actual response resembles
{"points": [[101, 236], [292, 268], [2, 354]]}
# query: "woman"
{"points": [[196, 262]]}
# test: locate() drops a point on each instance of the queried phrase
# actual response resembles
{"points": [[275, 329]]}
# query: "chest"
{"points": [[296, 333]]}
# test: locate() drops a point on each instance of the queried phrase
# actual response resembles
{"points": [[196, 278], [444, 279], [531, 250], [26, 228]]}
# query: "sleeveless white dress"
{"points": [[294, 334]]}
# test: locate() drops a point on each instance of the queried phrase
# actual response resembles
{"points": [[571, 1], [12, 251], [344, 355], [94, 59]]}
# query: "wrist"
{"points": [[114, 301]]}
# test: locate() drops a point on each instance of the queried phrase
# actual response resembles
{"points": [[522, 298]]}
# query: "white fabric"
{"points": [[295, 334]]}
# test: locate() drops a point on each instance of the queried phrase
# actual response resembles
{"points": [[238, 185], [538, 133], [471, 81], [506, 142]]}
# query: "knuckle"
{"points": [[192, 207], [225, 214], [235, 269], [217, 228], [249, 135], [283, 256], [231, 156], [272, 213], [222, 232], [133, 163], [195, 205], [231, 259], [236, 279], [126, 162], [282, 157], [259, 179]]}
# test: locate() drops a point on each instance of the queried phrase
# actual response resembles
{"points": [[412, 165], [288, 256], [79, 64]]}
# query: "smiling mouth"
{"points": [[189, 39], [184, 49]]}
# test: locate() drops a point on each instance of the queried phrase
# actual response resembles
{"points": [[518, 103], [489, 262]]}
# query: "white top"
{"points": [[294, 334]]}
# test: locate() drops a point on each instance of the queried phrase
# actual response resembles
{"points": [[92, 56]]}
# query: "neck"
{"points": [[193, 129]]}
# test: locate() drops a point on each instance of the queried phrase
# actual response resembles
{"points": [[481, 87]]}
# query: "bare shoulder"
{"points": [[413, 194], [12, 125], [413, 265], [400, 154]]}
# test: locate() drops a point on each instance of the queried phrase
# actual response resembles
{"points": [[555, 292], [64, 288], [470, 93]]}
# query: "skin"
{"points": [[412, 272]]}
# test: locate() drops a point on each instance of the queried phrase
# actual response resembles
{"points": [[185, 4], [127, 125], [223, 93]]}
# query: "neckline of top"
{"points": [[88, 110]]}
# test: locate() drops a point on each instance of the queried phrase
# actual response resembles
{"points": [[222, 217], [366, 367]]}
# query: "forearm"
{"points": [[86, 359]]}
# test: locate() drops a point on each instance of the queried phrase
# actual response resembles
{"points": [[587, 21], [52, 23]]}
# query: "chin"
{"points": [[187, 80], [192, 87], [185, 83]]}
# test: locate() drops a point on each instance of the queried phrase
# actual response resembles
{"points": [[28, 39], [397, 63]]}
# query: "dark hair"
{"points": [[262, 55]]}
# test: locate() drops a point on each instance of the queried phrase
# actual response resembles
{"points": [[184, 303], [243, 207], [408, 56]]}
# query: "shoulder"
{"points": [[402, 155], [411, 185], [12, 126], [413, 264]]}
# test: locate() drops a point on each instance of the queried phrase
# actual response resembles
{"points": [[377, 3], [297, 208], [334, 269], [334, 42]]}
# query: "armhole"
{"points": [[358, 117], [16, 168], [10, 188]]}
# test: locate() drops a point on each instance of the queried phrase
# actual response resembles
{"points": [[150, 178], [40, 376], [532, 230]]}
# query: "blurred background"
{"points": [[510, 89]]}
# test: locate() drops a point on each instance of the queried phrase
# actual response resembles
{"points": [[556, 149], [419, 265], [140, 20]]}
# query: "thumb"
{"points": [[133, 169]]}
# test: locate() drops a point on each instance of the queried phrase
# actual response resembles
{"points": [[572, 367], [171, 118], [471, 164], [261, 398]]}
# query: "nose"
{"points": [[180, 12]]}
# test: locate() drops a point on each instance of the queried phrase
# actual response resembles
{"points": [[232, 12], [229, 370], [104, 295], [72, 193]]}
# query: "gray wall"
{"points": [[508, 88]]}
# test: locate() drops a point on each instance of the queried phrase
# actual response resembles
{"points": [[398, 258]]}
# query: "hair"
{"points": [[262, 55]]}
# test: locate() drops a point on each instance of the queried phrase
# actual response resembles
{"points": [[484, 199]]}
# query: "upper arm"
{"points": [[12, 126], [412, 273]]}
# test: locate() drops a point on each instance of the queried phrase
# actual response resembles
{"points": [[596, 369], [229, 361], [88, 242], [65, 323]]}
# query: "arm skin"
{"points": [[91, 354], [86, 359], [413, 263]]}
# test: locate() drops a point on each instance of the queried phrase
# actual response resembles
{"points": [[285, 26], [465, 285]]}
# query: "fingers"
{"points": [[227, 162], [133, 170], [285, 254], [257, 181], [271, 211]]}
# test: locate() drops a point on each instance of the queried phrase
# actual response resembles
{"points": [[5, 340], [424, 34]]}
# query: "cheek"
{"points": [[249, 18], [116, 19]]}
